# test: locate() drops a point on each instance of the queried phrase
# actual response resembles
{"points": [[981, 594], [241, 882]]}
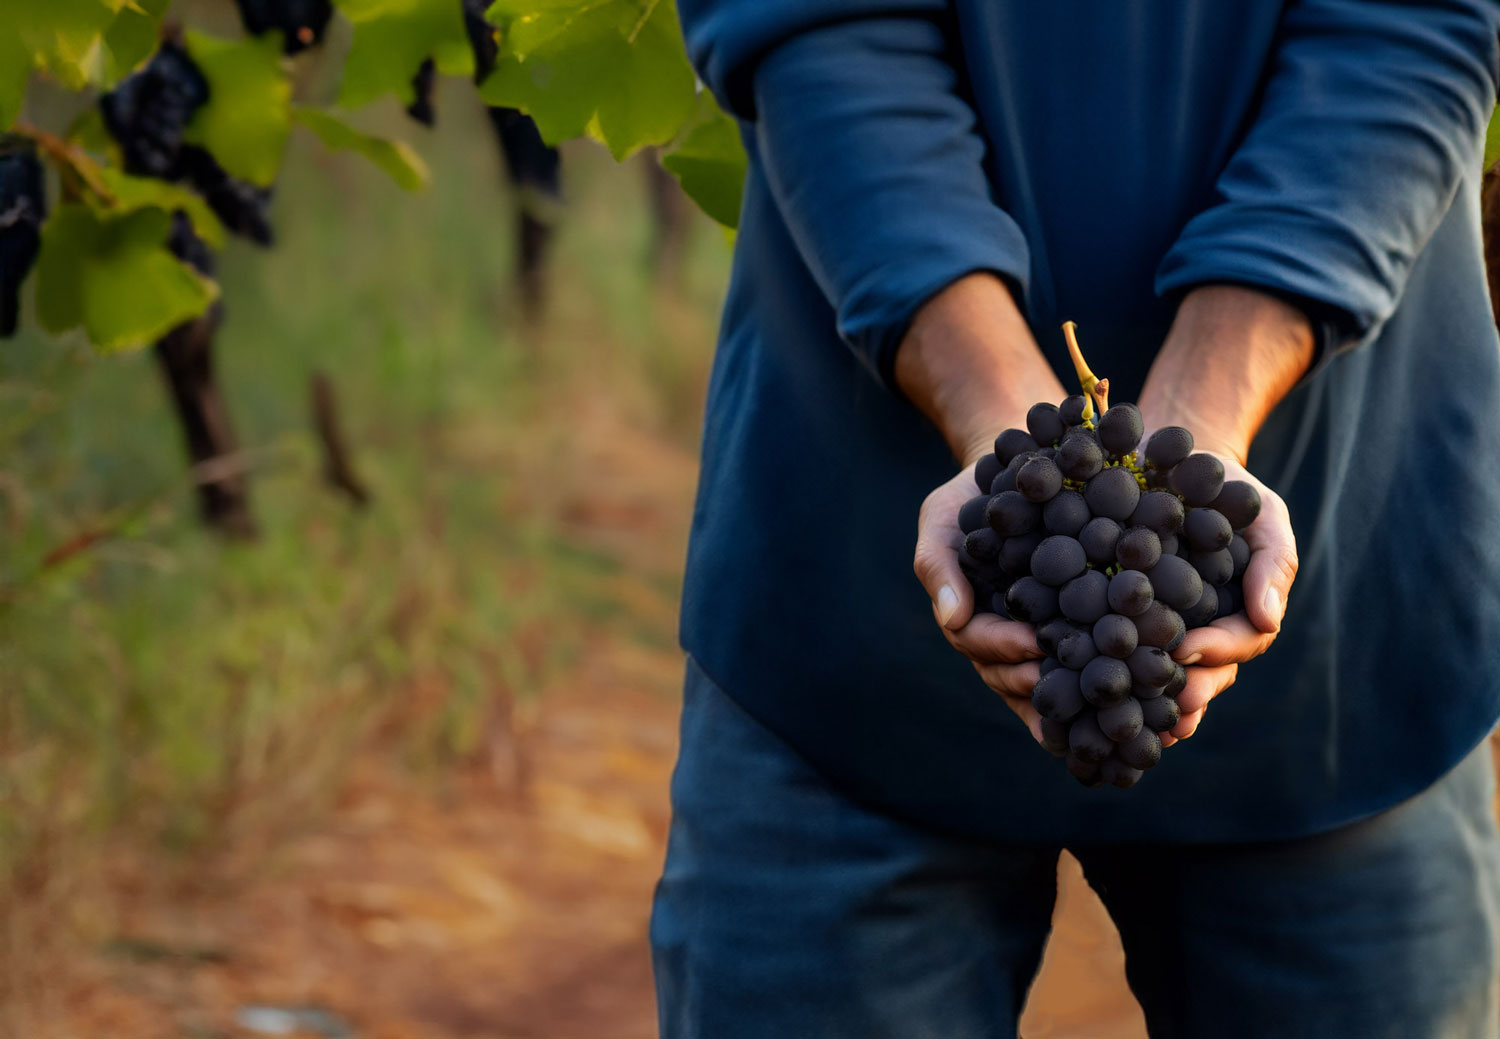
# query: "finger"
{"points": [[1228, 640], [1203, 684], [1273, 564], [936, 559], [1185, 727], [987, 639], [1167, 739], [1012, 680]]}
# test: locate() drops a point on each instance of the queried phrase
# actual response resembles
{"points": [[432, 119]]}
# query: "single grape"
{"points": [[1175, 582], [1151, 666], [1130, 593], [1085, 599], [1160, 713], [1031, 601], [1115, 772], [1057, 695], [1198, 479], [1044, 423], [1015, 552], [1050, 664], [1099, 537], [1204, 610], [1076, 649], [1080, 457], [1057, 560], [1039, 480], [1120, 721], [1115, 636], [983, 545], [1170, 545], [1087, 741], [1054, 737], [1048, 635], [1066, 513], [985, 471], [1215, 567], [1161, 511], [1010, 514], [1071, 410], [1207, 530], [1143, 750], [1178, 682], [1139, 549], [1239, 552], [1120, 429], [1104, 681], [1231, 599], [1168, 446], [1086, 772], [1113, 493], [1011, 443], [1160, 626], [1159, 480], [1239, 502], [972, 516]]}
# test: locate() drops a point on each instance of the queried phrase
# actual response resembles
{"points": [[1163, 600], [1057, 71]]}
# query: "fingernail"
{"points": [[1190, 661], [947, 604], [1273, 607]]}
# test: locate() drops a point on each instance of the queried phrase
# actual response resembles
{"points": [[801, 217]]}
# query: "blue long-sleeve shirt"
{"points": [[1104, 158]]}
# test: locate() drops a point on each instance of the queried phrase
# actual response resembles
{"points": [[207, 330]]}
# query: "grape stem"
{"points": [[1094, 388]]}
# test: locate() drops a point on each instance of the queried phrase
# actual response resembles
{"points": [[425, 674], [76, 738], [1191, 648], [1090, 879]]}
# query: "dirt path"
{"points": [[509, 900]]}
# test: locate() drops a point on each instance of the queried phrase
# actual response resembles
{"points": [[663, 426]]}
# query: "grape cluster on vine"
{"points": [[1113, 553], [147, 114], [23, 207]]}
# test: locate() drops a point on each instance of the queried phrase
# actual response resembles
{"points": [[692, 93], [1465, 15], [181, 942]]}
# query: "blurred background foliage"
{"points": [[187, 694]]}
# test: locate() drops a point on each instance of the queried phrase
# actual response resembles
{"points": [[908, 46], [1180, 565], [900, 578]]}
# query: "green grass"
{"points": [[186, 690]]}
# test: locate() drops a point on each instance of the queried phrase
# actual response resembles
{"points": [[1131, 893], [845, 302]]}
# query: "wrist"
{"points": [[1230, 357], [969, 363]]}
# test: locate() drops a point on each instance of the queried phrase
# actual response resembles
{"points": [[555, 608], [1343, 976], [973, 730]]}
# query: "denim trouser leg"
{"points": [[787, 910]]}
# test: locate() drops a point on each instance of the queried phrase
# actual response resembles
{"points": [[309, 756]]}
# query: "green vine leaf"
{"points": [[113, 276], [129, 194], [391, 40], [616, 68], [65, 37], [396, 158], [131, 38], [709, 162], [248, 115]]}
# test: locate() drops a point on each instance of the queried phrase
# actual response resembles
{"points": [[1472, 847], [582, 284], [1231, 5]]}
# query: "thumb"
{"points": [[1272, 567], [936, 566]]}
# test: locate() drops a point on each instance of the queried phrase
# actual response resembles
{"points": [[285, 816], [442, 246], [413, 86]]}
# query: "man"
{"points": [[1264, 218]]}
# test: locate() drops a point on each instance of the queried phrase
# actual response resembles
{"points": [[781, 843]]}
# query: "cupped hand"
{"points": [[1212, 654], [1004, 652]]}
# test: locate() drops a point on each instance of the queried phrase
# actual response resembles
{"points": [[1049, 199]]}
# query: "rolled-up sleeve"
{"points": [[871, 151], [1373, 115]]}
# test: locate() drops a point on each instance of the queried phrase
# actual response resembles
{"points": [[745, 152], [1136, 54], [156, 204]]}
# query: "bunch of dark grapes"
{"points": [[148, 111], [23, 207], [301, 22], [1113, 557], [482, 38], [147, 114]]}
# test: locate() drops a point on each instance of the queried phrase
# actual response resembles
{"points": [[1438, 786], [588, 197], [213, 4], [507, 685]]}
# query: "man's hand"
{"points": [[970, 364], [1004, 652], [1232, 354]]}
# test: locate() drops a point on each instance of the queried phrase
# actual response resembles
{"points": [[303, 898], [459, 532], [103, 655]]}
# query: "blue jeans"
{"points": [[787, 910]]}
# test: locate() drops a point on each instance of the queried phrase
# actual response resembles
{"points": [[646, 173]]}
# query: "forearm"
{"points": [[1232, 354], [969, 363]]}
